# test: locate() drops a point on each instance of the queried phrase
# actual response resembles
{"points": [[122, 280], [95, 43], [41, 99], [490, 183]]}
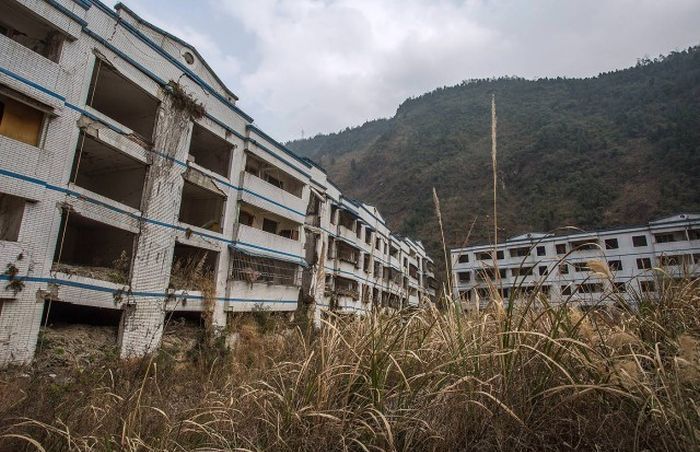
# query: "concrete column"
{"points": [[142, 322]]}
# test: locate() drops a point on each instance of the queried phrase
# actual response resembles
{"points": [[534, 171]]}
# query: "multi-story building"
{"points": [[561, 265], [129, 175]]}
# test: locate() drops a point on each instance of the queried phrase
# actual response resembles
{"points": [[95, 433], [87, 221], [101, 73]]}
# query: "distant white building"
{"points": [[116, 189], [558, 264]]}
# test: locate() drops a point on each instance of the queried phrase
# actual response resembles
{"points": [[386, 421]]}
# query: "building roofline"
{"points": [[169, 35], [552, 237]]}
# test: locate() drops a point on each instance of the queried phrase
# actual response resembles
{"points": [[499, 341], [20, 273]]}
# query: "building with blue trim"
{"points": [[131, 182], [587, 268]]}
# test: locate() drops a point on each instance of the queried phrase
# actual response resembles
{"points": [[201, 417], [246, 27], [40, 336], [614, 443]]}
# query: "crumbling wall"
{"points": [[142, 322]]}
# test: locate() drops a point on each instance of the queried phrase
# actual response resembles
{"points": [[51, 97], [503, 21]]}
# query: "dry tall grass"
{"points": [[527, 379]]}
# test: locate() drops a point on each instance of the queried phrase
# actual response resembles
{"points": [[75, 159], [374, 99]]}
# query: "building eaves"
{"points": [[168, 35]]}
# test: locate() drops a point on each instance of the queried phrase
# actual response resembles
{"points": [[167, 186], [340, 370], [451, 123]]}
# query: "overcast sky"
{"points": [[323, 65]]}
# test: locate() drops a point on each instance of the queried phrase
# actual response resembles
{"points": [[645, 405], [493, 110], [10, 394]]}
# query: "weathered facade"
{"points": [[130, 181], [558, 265]]}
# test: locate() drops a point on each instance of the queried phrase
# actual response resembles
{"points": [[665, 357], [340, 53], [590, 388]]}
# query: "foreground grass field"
{"points": [[527, 378]]}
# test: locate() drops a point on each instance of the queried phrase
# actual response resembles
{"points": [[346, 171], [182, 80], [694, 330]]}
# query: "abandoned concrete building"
{"points": [[131, 185], [558, 265]]}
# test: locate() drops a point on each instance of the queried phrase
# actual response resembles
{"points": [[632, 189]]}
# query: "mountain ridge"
{"points": [[610, 150]]}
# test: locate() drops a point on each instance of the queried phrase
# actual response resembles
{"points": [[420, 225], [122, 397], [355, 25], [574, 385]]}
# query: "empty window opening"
{"points": [[541, 251], [668, 237], [520, 252], [20, 121], [615, 265], [543, 270], [644, 263], [522, 271], [694, 234], [358, 230], [11, 213], [647, 286], [346, 219], [122, 100], [256, 269], [432, 283], [334, 214], [563, 269], [490, 274], [193, 268], [393, 251], [86, 247], [273, 175], [580, 266], [366, 262], [257, 218], [347, 253], [347, 288], [582, 245], [567, 290], [210, 151], [463, 259], [63, 317], [464, 277], [413, 271], [619, 287], [485, 255], [108, 172], [368, 236], [639, 240], [561, 248], [590, 288], [676, 260], [377, 270], [24, 27], [201, 207], [611, 244]]}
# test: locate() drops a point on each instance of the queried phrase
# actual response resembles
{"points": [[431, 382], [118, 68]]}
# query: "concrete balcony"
{"points": [[350, 236], [269, 244], [263, 194], [29, 64], [244, 296]]}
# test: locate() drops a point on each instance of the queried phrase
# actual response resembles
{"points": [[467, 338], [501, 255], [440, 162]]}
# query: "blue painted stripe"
{"points": [[137, 294], [124, 56], [276, 155], [67, 12], [162, 154], [85, 4], [194, 77], [278, 145], [32, 84], [250, 245], [66, 191]]}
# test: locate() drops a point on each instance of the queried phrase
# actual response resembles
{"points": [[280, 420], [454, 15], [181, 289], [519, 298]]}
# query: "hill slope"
{"points": [[619, 148]]}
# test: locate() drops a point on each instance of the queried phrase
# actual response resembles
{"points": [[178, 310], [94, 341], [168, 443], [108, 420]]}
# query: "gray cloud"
{"points": [[324, 65]]}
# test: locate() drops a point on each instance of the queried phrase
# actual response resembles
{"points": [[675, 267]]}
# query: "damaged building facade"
{"points": [[563, 266], [131, 183]]}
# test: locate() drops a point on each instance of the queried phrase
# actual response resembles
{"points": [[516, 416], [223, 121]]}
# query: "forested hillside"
{"points": [[619, 148]]}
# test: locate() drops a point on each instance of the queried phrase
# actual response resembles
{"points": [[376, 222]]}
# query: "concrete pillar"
{"points": [[142, 322]]}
